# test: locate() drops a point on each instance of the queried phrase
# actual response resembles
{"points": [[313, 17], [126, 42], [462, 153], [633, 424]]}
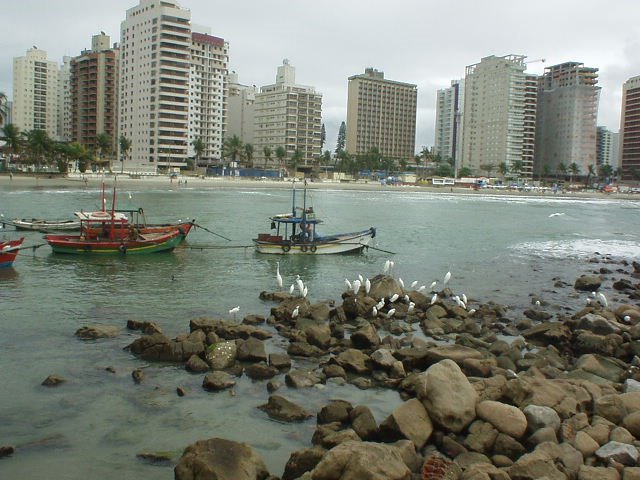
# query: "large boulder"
{"points": [[383, 286], [220, 459], [302, 461], [251, 350], [362, 461], [505, 418], [620, 452], [588, 283], [448, 396], [221, 355], [92, 332], [353, 360], [409, 420], [160, 348]]}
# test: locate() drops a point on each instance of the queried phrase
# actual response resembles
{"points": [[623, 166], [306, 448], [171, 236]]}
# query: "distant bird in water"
{"points": [[234, 310], [278, 276], [557, 214], [173, 278], [447, 277]]}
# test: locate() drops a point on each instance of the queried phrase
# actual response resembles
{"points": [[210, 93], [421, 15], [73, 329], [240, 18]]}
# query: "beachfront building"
{"points": [[449, 115], [608, 147], [64, 100], [94, 93], [155, 64], [498, 111], [381, 114], [568, 98], [630, 130], [207, 95], [241, 109], [35, 92], [288, 115]]}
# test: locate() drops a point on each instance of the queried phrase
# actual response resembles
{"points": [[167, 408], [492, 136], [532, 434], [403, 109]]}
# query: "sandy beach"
{"points": [[155, 181]]}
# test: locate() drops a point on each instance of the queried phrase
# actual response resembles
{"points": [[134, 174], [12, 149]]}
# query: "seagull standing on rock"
{"points": [[234, 310], [447, 277], [434, 299]]}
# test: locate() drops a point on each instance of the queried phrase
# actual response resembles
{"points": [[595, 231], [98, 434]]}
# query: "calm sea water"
{"points": [[496, 247]]}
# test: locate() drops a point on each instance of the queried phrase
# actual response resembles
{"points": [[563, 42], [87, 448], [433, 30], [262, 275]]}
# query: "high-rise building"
{"points": [[529, 126], [449, 115], [630, 130], [64, 100], [288, 115], [567, 113], [608, 148], [155, 56], [381, 114], [208, 94], [497, 104], [241, 111], [35, 92], [94, 75]]}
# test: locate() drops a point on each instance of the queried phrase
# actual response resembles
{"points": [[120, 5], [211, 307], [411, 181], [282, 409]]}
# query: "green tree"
{"points": [[606, 171], [326, 157], [503, 168], [464, 172], [342, 137], [281, 154], [267, 155], [323, 137], [444, 170], [516, 167], [11, 137], [574, 170], [562, 169], [546, 170], [591, 171], [198, 150], [233, 148], [125, 146], [296, 159], [103, 146], [38, 145], [487, 167], [248, 154]]}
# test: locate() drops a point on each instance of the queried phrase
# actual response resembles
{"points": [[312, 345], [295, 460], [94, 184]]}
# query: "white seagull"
{"points": [[387, 266], [394, 297], [602, 299], [433, 285], [367, 286], [447, 277], [278, 276], [291, 289], [414, 283], [234, 310], [356, 286], [411, 307], [374, 311], [348, 284], [380, 304], [434, 299], [391, 312], [422, 288], [401, 282], [361, 279], [295, 312]]}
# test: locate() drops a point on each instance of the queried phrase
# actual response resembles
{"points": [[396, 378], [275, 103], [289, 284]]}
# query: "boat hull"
{"points": [[9, 251], [44, 226], [76, 245], [342, 243]]}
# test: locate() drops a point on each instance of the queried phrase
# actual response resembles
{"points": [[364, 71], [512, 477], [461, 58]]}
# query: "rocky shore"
{"points": [[485, 396]]}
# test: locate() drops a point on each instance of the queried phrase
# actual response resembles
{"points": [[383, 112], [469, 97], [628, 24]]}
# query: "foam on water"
{"points": [[580, 248]]}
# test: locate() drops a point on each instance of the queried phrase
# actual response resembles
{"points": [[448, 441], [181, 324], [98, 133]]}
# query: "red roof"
{"points": [[210, 39]]}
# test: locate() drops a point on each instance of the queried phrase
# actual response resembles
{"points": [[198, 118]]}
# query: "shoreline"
{"points": [[93, 181]]}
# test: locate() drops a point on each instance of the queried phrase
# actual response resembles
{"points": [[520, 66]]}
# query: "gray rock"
{"points": [[506, 418], [540, 417], [335, 411], [218, 380], [261, 371], [620, 452], [196, 365], [302, 461], [301, 378], [221, 355], [588, 283], [92, 332], [408, 421], [353, 360], [251, 350], [280, 408], [364, 423]]}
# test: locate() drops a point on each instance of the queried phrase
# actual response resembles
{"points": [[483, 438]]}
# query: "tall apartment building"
{"points": [[608, 147], [567, 114], [449, 115], [64, 100], [497, 105], [241, 109], [381, 114], [529, 126], [630, 130], [288, 115], [35, 92], [208, 94], [155, 53], [94, 92]]}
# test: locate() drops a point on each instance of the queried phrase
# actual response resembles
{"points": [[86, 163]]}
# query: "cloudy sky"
{"points": [[425, 42]]}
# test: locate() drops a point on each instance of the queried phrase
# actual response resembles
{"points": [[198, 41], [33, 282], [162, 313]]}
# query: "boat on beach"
{"points": [[9, 251], [295, 234]]}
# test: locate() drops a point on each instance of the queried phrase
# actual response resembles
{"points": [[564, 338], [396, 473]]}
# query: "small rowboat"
{"points": [[9, 251], [42, 225]]}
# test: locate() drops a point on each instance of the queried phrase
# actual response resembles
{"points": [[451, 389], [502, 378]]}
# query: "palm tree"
{"points": [[517, 166], [38, 144], [281, 154], [574, 169], [125, 146], [606, 171], [590, 172], [11, 136], [503, 168], [233, 148], [198, 148], [103, 145], [562, 168], [296, 158], [79, 154], [248, 154], [267, 155], [488, 167]]}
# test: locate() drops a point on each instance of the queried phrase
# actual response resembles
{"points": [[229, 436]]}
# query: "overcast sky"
{"points": [[425, 42]]}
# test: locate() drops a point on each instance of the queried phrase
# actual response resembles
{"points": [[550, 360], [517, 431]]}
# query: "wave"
{"points": [[582, 248]]}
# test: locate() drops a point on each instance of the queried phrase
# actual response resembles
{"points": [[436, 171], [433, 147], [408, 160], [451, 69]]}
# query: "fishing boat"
{"points": [[9, 251], [110, 232], [295, 233]]}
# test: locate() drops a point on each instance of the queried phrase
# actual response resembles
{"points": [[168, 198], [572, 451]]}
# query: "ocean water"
{"points": [[499, 248]]}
